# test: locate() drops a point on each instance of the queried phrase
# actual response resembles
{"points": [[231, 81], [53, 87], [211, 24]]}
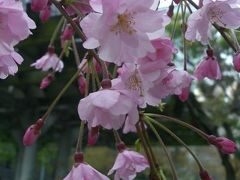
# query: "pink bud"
{"points": [[67, 33], [46, 81], [204, 175], [184, 95], [177, 1], [82, 84], [236, 62], [170, 10], [93, 135], [38, 5], [32, 133], [223, 144], [45, 14], [97, 66]]}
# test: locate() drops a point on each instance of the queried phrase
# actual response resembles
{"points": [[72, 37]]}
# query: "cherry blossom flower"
{"points": [[236, 62], [223, 144], [83, 171], [218, 12], [122, 29], [128, 164], [15, 24], [112, 113], [9, 60], [32, 133], [49, 61], [208, 67]]}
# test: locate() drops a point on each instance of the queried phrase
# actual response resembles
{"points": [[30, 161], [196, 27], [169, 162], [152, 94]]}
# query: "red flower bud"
{"points": [[67, 33], [236, 62], [93, 135], [38, 5], [82, 84], [223, 144], [204, 175], [45, 14], [170, 10], [32, 133], [46, 81]]}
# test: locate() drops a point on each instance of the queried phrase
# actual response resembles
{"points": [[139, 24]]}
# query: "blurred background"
{"points": [[213, 106]]}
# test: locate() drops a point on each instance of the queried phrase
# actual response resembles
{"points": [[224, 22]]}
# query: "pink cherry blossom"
{"points": [[14, 22], [223, 144], [218, 12], [32, 133], [49, 61], [236, 62], [83, 171], [9, 61], [174, 83], [128, 164], [112, 113], [208, 67], [38, 5], [121, 30]]}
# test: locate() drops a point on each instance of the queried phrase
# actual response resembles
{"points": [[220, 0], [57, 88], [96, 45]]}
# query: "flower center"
{"points": [[134, 82], [215, 14], [124, 24]]}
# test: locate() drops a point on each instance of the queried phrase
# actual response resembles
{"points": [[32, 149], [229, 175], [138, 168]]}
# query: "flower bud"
{"points": [[46, 81], [38, 5], [204, 175], [82, 84], [93, 135], [170, 10], [223, 144], [236, 62], [45, 14], [67, 33], [32, 133]]}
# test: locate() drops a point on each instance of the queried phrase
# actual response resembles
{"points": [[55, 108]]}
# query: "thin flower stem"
{"points": [[75, 51], [54, 35], [198, 131], [65, 88], [235, 39], [81, 35], [173, 170], [117, 136], [80, 138], [150, 120], [219, 29], [175, 23]]}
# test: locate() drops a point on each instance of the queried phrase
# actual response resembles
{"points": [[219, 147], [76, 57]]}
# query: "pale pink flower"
{"points": [[83, 171], [108, 108], [9, 61], [208, 67], [38, 5], [32, 133], [45, 14], [173, 84], [15, 25], [236, 62], [121, 30], [223, 144], [128, 164], [218, 12], [49, 61]]}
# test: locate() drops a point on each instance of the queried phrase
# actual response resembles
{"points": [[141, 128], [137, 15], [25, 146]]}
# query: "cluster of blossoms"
{"points": [[130, 34]]}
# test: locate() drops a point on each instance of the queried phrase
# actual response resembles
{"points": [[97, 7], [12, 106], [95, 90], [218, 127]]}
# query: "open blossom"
{"points": [[15, 24], [128, 164], [9, 60], [173, 84], [223, 144], [49, 61], [83, 171], [218, 12], [208, 67], [121, 29], [112, 113]]}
